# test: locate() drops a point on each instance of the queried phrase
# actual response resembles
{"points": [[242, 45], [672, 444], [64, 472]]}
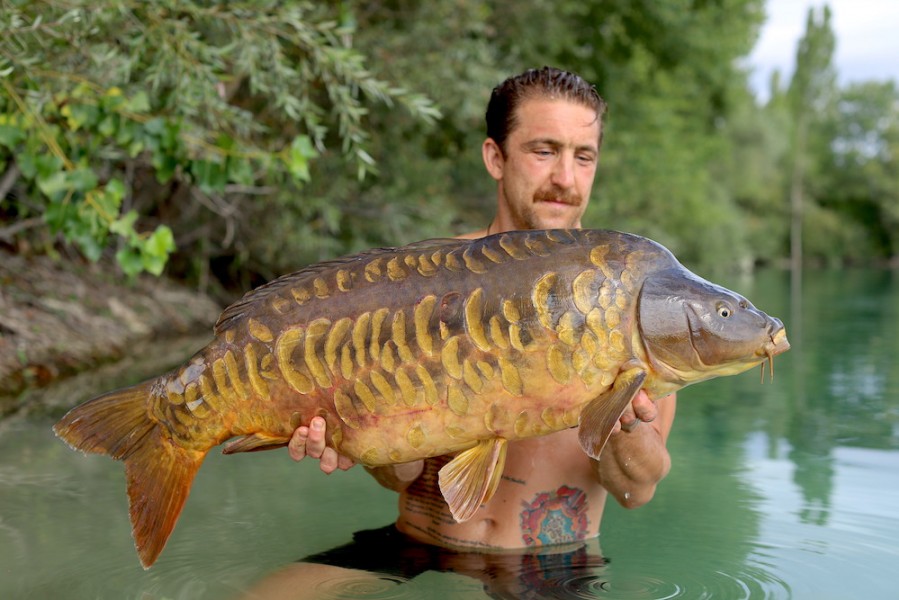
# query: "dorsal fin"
{"points": [[246, 305]]}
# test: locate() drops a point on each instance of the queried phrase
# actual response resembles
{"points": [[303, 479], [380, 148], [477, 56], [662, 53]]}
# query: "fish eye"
{"points": [[724, 311]]}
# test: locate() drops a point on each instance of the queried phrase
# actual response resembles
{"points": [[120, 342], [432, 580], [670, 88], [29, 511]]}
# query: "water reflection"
{"points": [[383, 563], [783, 490]]}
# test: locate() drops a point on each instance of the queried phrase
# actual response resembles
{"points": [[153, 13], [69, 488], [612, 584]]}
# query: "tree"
{"points": [[219, 103], [860, 168], [810, 95]]}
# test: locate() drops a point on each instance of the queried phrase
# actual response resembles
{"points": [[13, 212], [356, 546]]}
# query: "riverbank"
{"points": [[59, 318]]}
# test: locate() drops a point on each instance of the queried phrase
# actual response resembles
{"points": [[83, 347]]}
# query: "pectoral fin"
{"points": [[254, 442], [472, 477], [598, 418]]}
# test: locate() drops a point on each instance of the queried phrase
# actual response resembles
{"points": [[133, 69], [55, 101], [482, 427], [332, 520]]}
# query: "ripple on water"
{"points": [[383, 587], [748, 584], [582, 575]]}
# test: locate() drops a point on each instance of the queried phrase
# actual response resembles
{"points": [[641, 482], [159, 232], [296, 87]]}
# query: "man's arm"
{"points": [[636, 458]]}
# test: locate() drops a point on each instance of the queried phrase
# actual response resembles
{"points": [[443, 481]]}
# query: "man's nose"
{"points": [[563, 173]]}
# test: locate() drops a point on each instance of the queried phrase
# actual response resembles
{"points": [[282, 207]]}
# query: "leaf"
{"points": [[155, 126], [11, 135], [161, 243], [81, 179], [116, 187], [303, 145], [54, 186], [124, 133], [124, 225], [139, 103], [209, 175], [108, 125], [27, 163], [155, 251], [297, 161], [90, 246], [165, 165], [57, 214], [240, 171], [135, 148], [46, 165], [109, 199], [80, 115], [130, 261]]}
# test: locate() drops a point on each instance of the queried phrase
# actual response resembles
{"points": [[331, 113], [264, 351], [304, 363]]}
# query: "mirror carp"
{"points": [[439, 347]]}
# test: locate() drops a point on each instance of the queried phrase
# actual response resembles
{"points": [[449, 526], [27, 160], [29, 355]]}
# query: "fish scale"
{"points": [[439, 347], [376, 389]]}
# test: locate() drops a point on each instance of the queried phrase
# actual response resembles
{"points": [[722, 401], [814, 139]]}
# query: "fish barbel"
{"points": [[439, 347]]}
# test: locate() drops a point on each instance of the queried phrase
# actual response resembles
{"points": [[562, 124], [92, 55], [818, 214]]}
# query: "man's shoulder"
{"points": [[474, 235]]}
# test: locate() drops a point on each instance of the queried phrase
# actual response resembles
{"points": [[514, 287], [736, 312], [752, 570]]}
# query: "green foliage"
{"points": [[214, 96], [814, 79], [860, 172]]}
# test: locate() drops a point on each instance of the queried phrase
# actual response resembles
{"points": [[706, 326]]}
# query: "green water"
{"points": [[787, 489]]}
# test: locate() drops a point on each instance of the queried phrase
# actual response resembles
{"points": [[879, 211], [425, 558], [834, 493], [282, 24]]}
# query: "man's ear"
{"points": [[493, 158]]}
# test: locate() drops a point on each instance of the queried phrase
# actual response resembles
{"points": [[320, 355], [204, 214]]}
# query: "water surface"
{"points": [[787, 489]]}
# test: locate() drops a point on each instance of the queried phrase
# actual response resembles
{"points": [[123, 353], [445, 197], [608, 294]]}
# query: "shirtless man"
{"points": [[544, 131]]}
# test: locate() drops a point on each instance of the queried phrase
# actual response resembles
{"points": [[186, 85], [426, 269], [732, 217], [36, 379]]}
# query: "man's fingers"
{"points": [[644, 408], [310, 441], [628, 419], [344, 462], [640, 410], [296, 447], [328, 461], [315, 443]]}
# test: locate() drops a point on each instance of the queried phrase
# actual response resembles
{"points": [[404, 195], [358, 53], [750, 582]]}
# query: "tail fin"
{"points": [[159, 472]]}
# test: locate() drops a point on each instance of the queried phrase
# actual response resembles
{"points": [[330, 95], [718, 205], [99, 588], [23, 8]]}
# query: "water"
{"points": [[787, 489]]}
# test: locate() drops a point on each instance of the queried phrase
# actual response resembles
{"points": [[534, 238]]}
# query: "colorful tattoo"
{"points": [[555, 517]]}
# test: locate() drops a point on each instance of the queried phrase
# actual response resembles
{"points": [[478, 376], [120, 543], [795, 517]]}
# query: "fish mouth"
{"points": [[777, 344]]}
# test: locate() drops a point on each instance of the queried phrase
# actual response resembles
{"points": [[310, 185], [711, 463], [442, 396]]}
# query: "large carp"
{"points": [[439, 347]]}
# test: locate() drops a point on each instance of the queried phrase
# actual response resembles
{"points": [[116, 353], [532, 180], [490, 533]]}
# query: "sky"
{"points": [[867, 35]]}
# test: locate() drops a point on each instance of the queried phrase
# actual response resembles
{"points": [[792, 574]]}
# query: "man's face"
{"points": [[550, 161]]}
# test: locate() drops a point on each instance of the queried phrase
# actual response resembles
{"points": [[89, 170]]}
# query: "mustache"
{"points": [[559, 195]]}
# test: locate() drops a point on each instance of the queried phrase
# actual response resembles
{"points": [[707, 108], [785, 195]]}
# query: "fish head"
{"points": [[694, 330]]}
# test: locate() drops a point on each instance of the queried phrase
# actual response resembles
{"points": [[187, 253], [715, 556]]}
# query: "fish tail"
{"points": [[158, 471]]}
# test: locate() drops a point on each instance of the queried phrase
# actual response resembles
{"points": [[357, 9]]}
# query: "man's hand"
{"points": [[310, 441], [636, 458]]}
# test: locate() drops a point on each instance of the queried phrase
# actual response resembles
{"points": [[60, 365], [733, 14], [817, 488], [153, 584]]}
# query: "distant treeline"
{"points": [[229, 142]]}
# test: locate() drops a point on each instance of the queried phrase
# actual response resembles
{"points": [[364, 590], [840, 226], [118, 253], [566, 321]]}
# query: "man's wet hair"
{"points": [[544, 83]]}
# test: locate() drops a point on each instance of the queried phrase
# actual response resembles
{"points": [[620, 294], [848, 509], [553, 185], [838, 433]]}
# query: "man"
{"points": [[544, 131]]}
